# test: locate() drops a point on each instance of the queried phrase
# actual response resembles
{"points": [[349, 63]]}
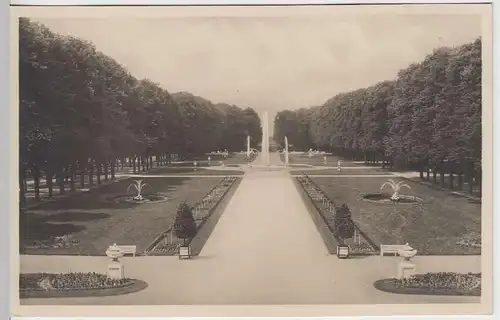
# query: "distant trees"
{"points": [[81, 113], [429, 118]]}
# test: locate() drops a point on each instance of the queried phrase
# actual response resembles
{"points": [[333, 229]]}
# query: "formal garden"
{"points": [[77, 155], [120, 160], [435, 223], [87, 223], [410, 153]]}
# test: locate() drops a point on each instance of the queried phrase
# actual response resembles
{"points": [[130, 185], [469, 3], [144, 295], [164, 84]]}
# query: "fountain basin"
{"points": [[146, 198], [385, 198]]}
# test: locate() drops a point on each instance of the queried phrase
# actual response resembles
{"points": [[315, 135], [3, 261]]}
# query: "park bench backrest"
{"points": [[128, 249]]}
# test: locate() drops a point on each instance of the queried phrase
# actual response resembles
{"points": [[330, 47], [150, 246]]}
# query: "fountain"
{"points": [[286, 151], [265, 139], [396, 196], [139, 198], [138, 185], [248, 147]]}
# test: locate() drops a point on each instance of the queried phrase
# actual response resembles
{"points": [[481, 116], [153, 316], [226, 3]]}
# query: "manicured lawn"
{"points": [[232, 160], [317, 160], [361, 171], [432, 227], [194, 171], [94, 223]]}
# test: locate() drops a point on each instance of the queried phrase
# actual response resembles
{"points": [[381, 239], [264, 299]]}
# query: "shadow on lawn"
{"points": [[47, 227], [97, 198]]}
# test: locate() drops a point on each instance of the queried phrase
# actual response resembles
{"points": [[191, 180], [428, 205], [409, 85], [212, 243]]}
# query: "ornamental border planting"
{"points": [[167, 244], [361, 244]]}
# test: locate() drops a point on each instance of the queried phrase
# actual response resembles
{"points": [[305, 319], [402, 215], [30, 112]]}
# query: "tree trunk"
{"points": [[60, 181], [91, 172], [73, 177], [460, 181], [106, 170], [133, 164], [442, 178], [479, 179], [428, 174], [36, 178], [470, 182], [82, 166], [48, 179], [98, 173], [114, 164], [451, 181], [22, 186]]}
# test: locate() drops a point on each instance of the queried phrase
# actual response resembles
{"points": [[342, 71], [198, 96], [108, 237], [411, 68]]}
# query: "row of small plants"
{"points": [[451, 283], [68, 281], [190, 219], [338, 219], [56, 242]]}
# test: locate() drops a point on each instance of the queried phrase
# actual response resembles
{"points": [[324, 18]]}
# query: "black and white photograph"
{"points": [[254, 156]]}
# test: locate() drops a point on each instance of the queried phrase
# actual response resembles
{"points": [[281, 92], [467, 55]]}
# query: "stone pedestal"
{"points": [[115, 270], [406, 269]]}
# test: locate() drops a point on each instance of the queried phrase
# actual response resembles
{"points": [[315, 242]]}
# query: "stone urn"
{"points": [[114, 252], [115, 268], [407, 253]]}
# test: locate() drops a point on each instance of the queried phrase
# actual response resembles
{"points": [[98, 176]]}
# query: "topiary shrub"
{"points": [[342, 223], [185, 224]]}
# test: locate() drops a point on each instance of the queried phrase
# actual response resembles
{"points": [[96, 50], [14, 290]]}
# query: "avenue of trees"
{"points": [[429, 119], [81, 114]]}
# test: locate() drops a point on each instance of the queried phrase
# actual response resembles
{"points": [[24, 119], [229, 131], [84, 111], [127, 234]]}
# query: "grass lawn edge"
{"points": [[386, 286], [135, 286]]}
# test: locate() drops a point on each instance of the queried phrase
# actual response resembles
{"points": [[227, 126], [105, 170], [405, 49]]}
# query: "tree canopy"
{"points": [[430, 114], [81, 109]]}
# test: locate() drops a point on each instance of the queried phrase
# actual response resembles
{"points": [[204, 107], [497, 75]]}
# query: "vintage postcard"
{"points": [[252, 161]]}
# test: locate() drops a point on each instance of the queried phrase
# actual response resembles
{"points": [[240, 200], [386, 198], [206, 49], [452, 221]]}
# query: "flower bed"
{"points": [[167, 244], [359, 246], [472, 239], [65, 241], [440, 283], [47, 285]]}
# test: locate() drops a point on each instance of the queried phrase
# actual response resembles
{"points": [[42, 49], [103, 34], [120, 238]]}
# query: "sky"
{"points": [[270, 63]]}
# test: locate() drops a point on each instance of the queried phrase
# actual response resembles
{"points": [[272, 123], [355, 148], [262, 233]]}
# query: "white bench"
{"points": [[128, 250], [392, 248]]}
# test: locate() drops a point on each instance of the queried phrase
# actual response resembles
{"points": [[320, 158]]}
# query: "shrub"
{"points": [[185, 224], [342, 222]]}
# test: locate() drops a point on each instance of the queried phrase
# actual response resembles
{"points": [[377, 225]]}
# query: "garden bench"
{"points": [[392, 248], [128, 249]]}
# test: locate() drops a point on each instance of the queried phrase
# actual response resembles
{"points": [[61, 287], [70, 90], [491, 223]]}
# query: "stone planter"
{"points": [[342, 251], [185, 252]]}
